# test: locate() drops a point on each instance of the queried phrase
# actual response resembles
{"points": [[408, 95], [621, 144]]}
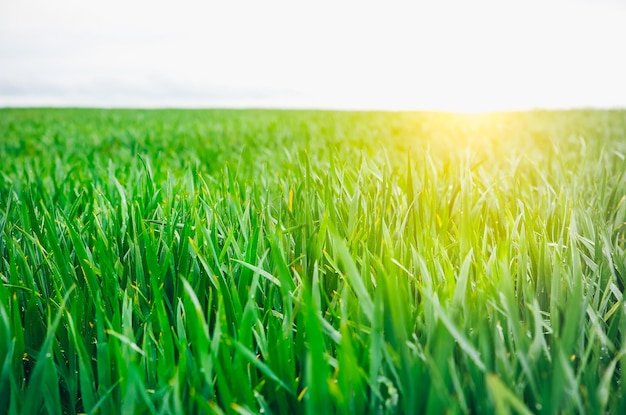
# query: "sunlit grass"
{"points": [[311, 262]]}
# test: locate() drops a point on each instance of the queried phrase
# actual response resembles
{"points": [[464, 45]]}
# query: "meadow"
{"points": [[288, 262]]}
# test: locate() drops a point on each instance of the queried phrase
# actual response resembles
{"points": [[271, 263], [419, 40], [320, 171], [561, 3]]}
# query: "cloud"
{"points": [[144, 92]]}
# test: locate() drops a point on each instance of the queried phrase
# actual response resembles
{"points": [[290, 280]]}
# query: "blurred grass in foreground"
{"points": [[312, 262]]}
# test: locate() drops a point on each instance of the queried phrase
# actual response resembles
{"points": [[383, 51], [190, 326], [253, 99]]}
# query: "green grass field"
{"points": [[245, 262]]}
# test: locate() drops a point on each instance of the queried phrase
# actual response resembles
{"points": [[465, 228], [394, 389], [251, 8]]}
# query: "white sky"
{"points": [[444, 55]]}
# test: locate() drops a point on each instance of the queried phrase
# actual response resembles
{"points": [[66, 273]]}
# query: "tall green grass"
{"points": [[242, 262]]}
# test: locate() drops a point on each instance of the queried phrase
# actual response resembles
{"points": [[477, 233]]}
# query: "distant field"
{"points": [[245, 262]]}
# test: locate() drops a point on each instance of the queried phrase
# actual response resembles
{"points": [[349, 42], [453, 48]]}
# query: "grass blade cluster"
{"points": [[240, 262]]}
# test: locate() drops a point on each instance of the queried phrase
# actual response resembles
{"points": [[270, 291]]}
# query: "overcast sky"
{"points": [[443, 55]]}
